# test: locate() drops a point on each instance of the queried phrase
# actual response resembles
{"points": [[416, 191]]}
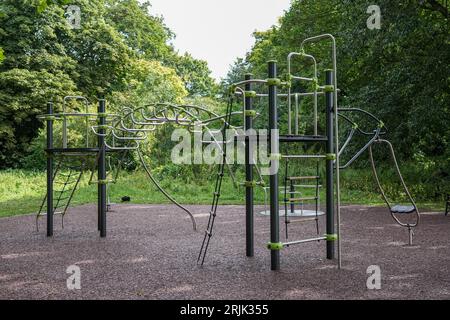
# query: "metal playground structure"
{"points": [[124, 132]]}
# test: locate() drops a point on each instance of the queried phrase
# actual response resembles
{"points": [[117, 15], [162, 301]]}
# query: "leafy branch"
{"points": [[435, 5]]}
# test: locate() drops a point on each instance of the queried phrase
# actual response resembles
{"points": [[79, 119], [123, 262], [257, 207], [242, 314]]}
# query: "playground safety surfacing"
{"points": [[150, 253]]}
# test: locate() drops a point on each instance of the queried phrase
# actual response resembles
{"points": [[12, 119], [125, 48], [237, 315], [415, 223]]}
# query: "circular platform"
{"points": [[296, 213]]}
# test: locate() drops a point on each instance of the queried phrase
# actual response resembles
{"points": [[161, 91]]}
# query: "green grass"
{"points": [[21, 192]]}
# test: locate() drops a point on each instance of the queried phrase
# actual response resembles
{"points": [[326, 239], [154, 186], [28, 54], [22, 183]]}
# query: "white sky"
{"points": [[218, 31]]}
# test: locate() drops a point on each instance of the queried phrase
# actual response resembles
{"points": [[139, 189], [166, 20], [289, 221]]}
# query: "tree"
{"points": [[436, 5], [150, 82], [120, 51], [35, 69], [236, 73], [195, 75], [400, 72], [145, 34]]}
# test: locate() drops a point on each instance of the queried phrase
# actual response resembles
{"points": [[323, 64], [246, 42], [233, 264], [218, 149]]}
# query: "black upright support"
{"points": [[50, 209], [273, 150], [249, 209], [329, 100], [292, 195], [102, 169]]}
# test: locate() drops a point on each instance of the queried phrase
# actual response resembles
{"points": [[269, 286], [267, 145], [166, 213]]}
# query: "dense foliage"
{"points": [[401, 72], [120, 51]]}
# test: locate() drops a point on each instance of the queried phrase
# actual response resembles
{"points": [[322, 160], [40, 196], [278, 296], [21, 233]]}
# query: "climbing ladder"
{"points": [[217, 188], [293, 197], [66, 178]]}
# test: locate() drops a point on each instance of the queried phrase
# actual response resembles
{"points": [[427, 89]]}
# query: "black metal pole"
{"points": [[291, 195], [49, 170], [274, 205], [329, 100], [102, 169], [249, 209]]}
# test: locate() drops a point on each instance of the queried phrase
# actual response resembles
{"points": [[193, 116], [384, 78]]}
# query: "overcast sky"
{"points": [[218, 31]]}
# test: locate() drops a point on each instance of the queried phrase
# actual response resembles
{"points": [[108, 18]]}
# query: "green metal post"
{"points": [[329, 100], [273, 149], [102, 170], [249, 209], [50, 208]]}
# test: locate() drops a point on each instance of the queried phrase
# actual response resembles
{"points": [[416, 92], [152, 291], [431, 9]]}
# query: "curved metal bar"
{"points": [[113, 133], [244, 106], [358, 129], [163, 108], [241, 83], [365, 113], [136, 147], [130, 114], [203, 125], [383, 194], [290, 56], [168, 196], [375, 135], [347, 141], [361, 151], [124, 127]]}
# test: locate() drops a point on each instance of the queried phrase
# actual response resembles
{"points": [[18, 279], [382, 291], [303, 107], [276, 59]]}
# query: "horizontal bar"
{"points": [[303, 138], [302, 78], [304, 241], [307, 186], [302, 199], [317, 38], [74, 150], [75, 114], [249, 81], [304, 156], [55, 212], [302, 220], [303, 178], [285, 95]]}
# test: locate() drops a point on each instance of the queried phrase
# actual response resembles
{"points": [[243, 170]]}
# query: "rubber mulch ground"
{"points": [[150, 253]]}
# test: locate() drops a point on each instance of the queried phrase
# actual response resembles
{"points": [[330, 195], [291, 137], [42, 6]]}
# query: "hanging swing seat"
{"points": [[401, 209], [397, 209]]}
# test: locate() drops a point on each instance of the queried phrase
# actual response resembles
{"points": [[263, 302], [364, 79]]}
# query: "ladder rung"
{"points": [[302, 199], [307, 186], [302, 220], [61, 199], [60, 191], [303, 178], [304, 241], [304, 156], [64, 183], [45, 213]]}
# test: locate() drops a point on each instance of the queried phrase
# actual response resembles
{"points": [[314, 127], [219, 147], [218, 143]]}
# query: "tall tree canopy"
{"points": [[120, 51], [399, 72]]}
